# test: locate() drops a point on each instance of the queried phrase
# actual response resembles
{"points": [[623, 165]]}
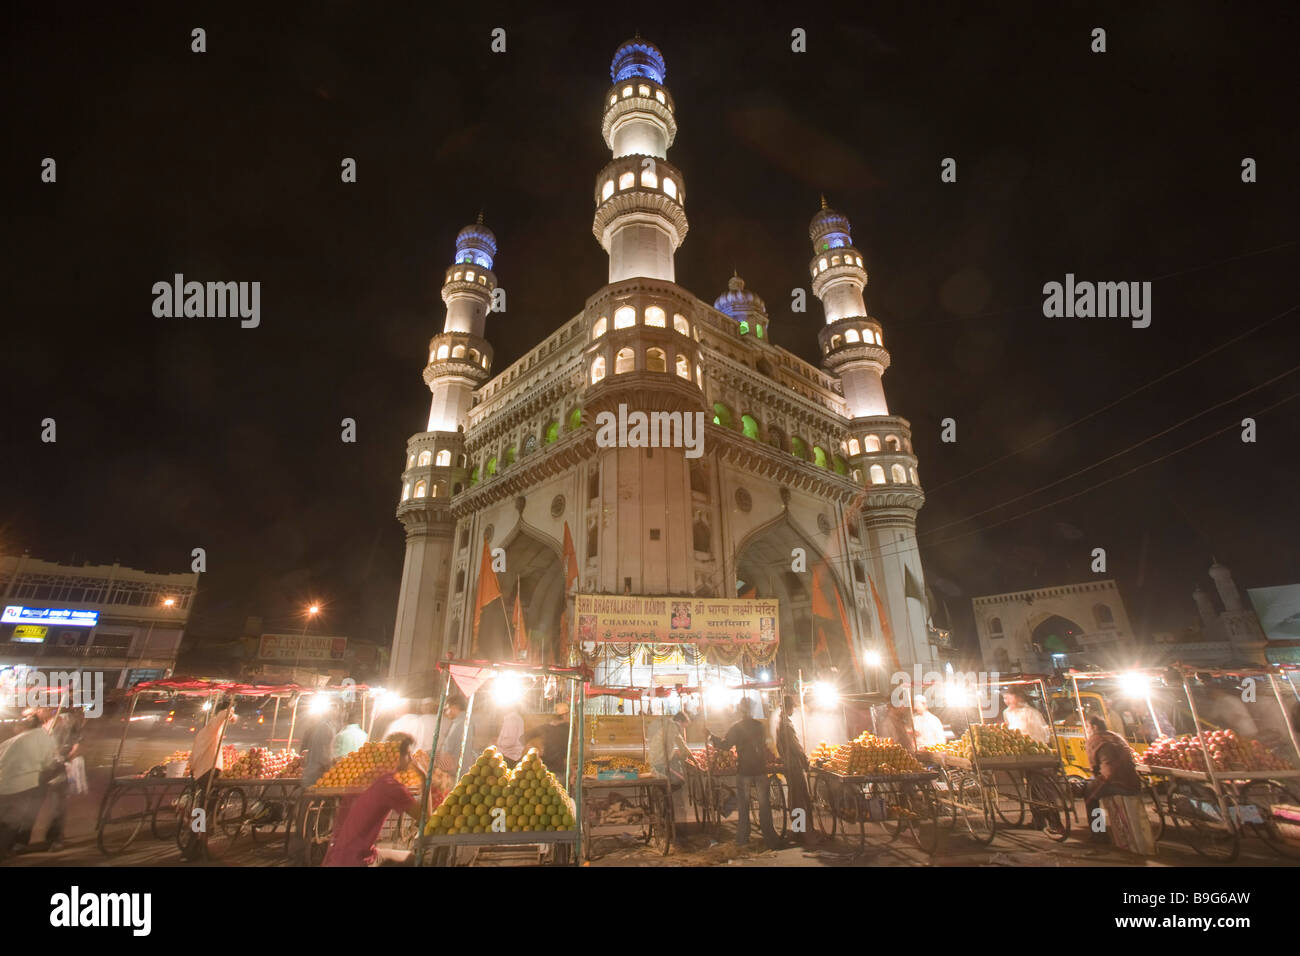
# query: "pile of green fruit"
{"points": [[527, 799]]}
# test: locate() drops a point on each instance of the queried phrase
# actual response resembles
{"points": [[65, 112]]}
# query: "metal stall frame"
{"points": [[580, 674]]}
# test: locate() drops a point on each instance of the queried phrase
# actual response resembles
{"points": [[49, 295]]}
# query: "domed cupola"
{"points": [[745, 307], [477, 244]]}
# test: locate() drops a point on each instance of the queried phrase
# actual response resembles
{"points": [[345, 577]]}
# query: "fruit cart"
{"points": [[553, 846], [992, 775], [1213, 788], [621, 794], [711, 791], [873, 780], [156, 804]]}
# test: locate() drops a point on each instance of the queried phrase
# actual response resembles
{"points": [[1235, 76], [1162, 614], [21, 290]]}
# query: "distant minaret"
{"points": [[878, 445], [1209, 614], [1227, 588], [639, 219], [460, 360]]}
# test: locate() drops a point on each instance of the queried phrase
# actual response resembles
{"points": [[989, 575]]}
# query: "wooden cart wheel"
{"points": [[823, 806], [1055, 799], [1010, 797], [923, 815], [853, 810], [976, 812], [1263, 795], [660, 814], [125, 810], [1197, 817], [226, 821], [780, 808]]}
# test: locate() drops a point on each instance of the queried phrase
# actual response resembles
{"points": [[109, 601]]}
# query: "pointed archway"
{"points": [[535, 568], [763, 563]]}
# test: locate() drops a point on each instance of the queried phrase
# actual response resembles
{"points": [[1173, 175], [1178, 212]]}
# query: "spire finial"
{"points": [[823, 200], [479, 220]]}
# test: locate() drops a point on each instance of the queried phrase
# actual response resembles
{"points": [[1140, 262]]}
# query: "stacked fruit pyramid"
{"points": [[229, 754], [367, 764], [717, 761], [261, 763], [821, 754], [1227, 752], [992, 740], [868, 755], [530, 798]]}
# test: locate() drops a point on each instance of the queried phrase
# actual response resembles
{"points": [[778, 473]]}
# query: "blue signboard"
{"points": [[16, 614]]}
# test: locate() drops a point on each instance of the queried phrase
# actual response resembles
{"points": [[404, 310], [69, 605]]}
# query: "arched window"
{"points": [[656, 316], [836, 341], [598, 329], [406, 491], [891, 442], [458, 351], [473, 475], [485, 361], [822, 263], [912, 471], [655, 360], [627, 91], [444, 458], [607, 190], [1105, 619], [460, 462], [473, 356], [684, 367], [835, 260], [670, 187], [871, 443], [679, 323], [799, 448], [425, 458], [744, 327], [410, 462], [898, 474], [659, 95], [643, 90], [879, 341], [491, 467], [552, 432], [627, 180], [877, 475], [624, 317], [857, 475], [420, 488], [700, 533], [995, 627], [699, 376], [721, 415], [442, 352], [758, 329], [469, 275], [854, 447], [819, 456], [575, 419], [851, 335], [597, 369], [648, 178], [749, 426], [624, 361], [510, 455], [776, 438]]}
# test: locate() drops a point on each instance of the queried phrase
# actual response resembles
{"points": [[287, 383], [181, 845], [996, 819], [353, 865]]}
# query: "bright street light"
{"points": [[825, 695], [873, 658], [1136, 685], [507, 689], [318, 704]]}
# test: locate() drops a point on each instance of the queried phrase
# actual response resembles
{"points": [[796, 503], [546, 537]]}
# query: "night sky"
{"points": [[1126, 166]]}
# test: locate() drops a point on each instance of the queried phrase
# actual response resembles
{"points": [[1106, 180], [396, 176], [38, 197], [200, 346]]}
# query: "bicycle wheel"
{"points": [[1010, 797], [974, 810], [1263, 795], [924, 821], [823, 806], [1051, 797], [125, 811], [1198, 818], [660, 813], [162, 821], [780, 811], [189, 838], [226, 821]]}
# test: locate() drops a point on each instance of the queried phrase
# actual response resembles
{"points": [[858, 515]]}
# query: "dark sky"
{"points": [[178, 433]]}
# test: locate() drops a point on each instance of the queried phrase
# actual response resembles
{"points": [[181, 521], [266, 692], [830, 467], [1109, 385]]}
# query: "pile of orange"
{"points": [[363, 766]]}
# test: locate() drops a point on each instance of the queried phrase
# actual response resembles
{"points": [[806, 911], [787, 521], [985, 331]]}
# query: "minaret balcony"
{"points": [[824, 278], [458, 355], [638, 98], [468, 277], [852, 341], [631, 173]]}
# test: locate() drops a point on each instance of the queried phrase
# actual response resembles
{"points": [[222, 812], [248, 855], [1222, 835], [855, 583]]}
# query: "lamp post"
{"points": [[312, 611]]}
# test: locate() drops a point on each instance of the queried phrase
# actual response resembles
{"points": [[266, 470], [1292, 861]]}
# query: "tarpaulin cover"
{"points": [[199, 685]]}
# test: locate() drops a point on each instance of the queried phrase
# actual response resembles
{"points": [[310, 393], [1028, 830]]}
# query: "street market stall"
{"points": [[1215, 787], [622, 795], [257, 796], [475, 815], [995, 775]]}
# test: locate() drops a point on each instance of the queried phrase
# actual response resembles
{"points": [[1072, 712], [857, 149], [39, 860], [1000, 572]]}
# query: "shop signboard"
{"points": [[300, 647], [66, 617], [669, 619]]}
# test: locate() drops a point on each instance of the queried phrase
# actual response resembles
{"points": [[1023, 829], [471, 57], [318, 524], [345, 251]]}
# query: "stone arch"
{"points": [[534, 563]]}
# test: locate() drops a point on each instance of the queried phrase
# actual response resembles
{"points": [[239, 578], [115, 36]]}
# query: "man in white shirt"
{"points": [[667, 747], [26, 761], [206, 758], [510, 741], [929, 728], [350, 738], [419, 725], [1022, 716]]}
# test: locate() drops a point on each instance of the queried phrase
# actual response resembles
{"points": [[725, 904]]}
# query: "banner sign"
{"points": [[297, 647], [676, 620], [31, 633], [16, 614]]}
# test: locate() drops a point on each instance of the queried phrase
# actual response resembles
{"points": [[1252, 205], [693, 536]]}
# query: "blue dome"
{"points": [[737, 302], [638, 58], [829, 229], [476, 244]]}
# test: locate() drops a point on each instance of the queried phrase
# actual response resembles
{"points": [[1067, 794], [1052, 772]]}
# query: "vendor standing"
{"points": [[668, 749], [553, 741], [796, 765], [929, 728], [749, 738], [1022, 716]]}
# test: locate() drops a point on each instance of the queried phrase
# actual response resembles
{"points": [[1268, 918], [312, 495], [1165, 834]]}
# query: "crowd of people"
{"points": [[40, 767]]}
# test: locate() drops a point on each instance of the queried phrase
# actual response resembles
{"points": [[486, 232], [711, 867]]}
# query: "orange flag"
{"points": [[751, 593], [824, 584], [570, 561], [489, 589], [517, 625], [884, 624]]}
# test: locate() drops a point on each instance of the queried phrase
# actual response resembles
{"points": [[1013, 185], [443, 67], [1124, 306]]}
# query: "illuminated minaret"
{"points": [[639, 219], [460, 360], [878, 445]]}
